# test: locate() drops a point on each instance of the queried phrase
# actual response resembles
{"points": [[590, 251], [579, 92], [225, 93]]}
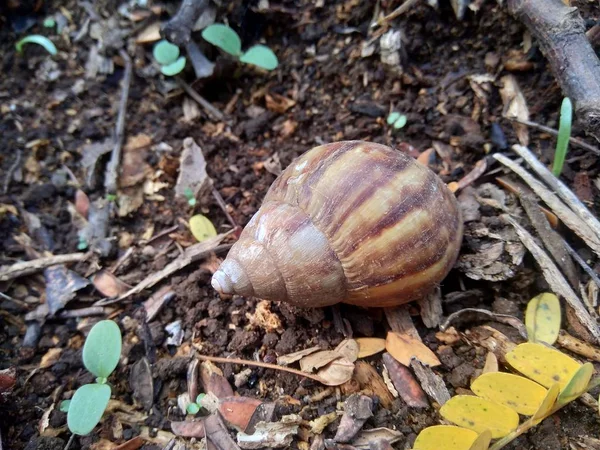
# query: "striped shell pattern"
{"points": [[352, 222]]}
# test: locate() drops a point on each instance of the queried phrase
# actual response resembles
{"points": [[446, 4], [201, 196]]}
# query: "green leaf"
{"points": [[516, 392], [37, 39], [546, 365], [199, 398], [102, 348], [202, 228], [564, 134], [223, 37], [86, 408], [479, 414], [577, 385], [49, 22], [394, 115], [64, 405], [400, 122], [173, 68], [165, 53], [454, 438], [543, 318], [193, 408], [260, 56]]}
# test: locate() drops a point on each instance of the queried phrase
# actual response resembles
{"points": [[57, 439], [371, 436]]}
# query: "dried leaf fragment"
{"points": [[404, 348], [291, 358], [317, 360], [348, 348], [515, 106], [237, 411], [370, 346], [109, 285], [336, 372], [405, 383]]}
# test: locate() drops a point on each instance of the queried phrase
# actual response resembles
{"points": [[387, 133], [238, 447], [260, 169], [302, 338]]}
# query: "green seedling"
{"points": [[227, 39], [49, 22], [397, 120], [195, 407], [82, 244], [564, 134], [101, 353], [167, 56], [191, 199], [37, 39], [548, 381]]}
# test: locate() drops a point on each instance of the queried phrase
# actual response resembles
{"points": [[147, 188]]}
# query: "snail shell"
{"points": [[352, 222]]}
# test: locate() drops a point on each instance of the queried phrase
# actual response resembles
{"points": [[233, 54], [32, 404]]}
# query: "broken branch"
{"points": [[27, 267]]}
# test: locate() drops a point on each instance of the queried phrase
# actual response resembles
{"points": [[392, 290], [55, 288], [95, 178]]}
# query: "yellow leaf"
{"points": [[483, 441], [542, 318], [202, 228], [479, 414], [454, 438], [514, 391], [403, 348], [543, 364], [369, 346], [577, 385], [547, 404]]}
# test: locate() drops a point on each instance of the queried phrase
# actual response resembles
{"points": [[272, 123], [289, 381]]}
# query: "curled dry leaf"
{"points": [[403, 348], [370, 346], [109, 285], [317, 360], [214, 381], [348, 348], [278, 103], [405, 383], [336, 372], [291, 358], [237, 411]]}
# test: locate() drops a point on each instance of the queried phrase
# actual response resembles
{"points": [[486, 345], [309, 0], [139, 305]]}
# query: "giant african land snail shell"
{"points": [[352, 222]]}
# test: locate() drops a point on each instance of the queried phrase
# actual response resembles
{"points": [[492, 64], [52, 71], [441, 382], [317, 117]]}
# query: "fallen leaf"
{"points": [[291, 358], [278, 103], [403, 348], [271, 434], [336, 372], [547, 405], [515, 106], [134, 168], [50, 357], [131, 444], [405, 383], [453, 437], [202, 228], [108, 284], [61, 286], [142, 383], [491, 363], [518, 393], [577, 385], [368, 346], [543, 318], [189, 428], [365, 437], [149, 34], [479, 414], [213, 380], [348, 348], [192, 171], [237, 411], [317, 360]]}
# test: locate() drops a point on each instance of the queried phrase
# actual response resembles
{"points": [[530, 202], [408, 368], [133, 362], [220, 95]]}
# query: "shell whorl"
{"points": [[352, 222]]}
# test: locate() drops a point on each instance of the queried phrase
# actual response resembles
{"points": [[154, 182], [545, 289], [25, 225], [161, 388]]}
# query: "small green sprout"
{"points": [[190, 197], [397, 120], [564, 134], [49, 22], [101, 353], [82, 244], [227, 39], [37, 39], [111, 197], [195, 407], [167, 56]]}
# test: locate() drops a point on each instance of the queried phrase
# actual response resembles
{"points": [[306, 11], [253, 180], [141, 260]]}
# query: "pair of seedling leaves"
{"points": [[101, 353], [222, 36], [551, 380]]}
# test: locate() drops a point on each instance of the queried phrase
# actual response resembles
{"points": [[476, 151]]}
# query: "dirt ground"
{"points": [[50, 111]]}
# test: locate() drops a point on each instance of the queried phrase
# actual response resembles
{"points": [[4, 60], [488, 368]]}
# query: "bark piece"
{"points": [[357, 409], [405, 383]]}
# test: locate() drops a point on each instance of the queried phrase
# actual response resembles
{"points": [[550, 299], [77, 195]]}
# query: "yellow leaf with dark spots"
{"points": [[547, 405], [543, 318], [454, 438], [202, 228], [543, 364], [479, 414], [518, 393], [577, 385]]}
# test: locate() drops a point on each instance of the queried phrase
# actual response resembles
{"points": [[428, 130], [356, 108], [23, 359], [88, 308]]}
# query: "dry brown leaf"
{"points": [[318, 360], [82, 203], [291, 358], [149, 34], [189, 428], [50, 357], [491, 363], [238, 411], [515, 106], [109, 285], [370, 346], [336, 372], [278, 103], [134, 167], [403, 348], [366, 437], [213, 380], [348, 348], [405, 383]]}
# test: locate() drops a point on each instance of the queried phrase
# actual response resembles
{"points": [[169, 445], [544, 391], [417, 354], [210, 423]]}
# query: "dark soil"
{"points": [[338, 96]]}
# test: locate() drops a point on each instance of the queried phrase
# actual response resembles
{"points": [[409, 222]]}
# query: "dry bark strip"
{"points": [[28, 267], [178, 29], [560, 31], [555, 278]]}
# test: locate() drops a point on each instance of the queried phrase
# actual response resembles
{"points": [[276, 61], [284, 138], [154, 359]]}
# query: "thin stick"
{"points": [[110, 183], [223, 206], [395, 13], [11, 170], [70, 441], [582, 263], [552, 131], [559, 187], [260, 364], [210, 109], [27, 267]]}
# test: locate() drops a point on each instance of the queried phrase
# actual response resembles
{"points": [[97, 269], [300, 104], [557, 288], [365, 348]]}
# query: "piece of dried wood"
{"points": [[578, 346], [431, 382], [28, 267], [555, 278]]}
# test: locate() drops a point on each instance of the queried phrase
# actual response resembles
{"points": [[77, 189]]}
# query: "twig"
{"points": [[223, 207], [27, 267], [560, 31], [559, 187], [83, 312], [261, 364], [395, 13], [11, 170], [582, 263], [178, 29], [191, 254], [552, 131], [563, 212], [110, 183], [210, 109], [70, 441], [555, 278]]}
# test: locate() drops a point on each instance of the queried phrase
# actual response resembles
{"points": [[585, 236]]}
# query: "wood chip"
{"points": [[432, 383], [371, 382], [578, 346]]}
